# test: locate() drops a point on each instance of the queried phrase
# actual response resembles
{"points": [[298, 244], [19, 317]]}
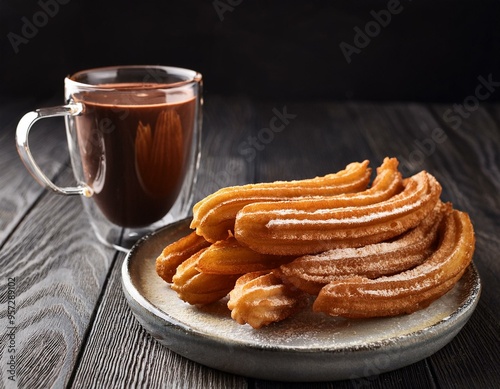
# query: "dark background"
{"points": [[431, 51]]}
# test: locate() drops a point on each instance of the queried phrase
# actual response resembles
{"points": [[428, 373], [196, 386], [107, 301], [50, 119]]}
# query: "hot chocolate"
{"points": [[134, 144]]}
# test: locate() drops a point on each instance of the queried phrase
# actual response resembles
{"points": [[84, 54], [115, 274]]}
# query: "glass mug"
{"points": [[134, 136]]}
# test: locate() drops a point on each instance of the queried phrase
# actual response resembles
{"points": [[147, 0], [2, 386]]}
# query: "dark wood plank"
{"points": [[408, 132], [459, 164], [475, 349], [323, 138], [131, 357], [227, 124], [119, 353], [471, 359], [415, 376], [18, 190], [315, 140], [59, 269], [475, 172], [410, 377]]}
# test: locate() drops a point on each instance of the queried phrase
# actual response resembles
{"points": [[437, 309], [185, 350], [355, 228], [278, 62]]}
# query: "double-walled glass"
{"points": [[134, 141]]}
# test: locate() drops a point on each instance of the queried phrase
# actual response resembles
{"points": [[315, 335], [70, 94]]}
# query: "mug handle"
{"points": [[22, 132]]}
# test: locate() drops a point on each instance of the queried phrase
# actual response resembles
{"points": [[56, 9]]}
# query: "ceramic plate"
{"points": [[307, 347]]}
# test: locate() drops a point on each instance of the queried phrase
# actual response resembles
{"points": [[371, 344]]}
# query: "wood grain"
{"points": [[472, 351], [477, 145], [119, 353], [59, 268], [226, 126], [134, 358], [18, 190], [317, 141], [74, 328]]}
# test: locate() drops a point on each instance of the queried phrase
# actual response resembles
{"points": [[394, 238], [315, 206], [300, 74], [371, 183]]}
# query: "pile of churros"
{"points": [[342, 244]]}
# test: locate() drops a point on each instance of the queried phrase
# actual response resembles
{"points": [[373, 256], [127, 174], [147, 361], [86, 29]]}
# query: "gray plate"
{"points": [[307, 347]]}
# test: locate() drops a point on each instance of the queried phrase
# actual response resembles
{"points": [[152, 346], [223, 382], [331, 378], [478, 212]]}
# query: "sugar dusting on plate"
{"points": [[305, 330]]}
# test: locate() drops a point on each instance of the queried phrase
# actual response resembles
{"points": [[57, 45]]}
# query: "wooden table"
{"points": [[72, 326]]}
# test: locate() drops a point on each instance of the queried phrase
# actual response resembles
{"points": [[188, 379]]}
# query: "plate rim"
{"points": [[455, 319]]}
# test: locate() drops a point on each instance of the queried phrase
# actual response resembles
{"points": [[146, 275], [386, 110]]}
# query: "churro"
{"points": [[214, 216], [229, 257], [405, 292], [198, 288], [353, 249], [312, 226], [311, 272], [260, 298], [176, 253]]}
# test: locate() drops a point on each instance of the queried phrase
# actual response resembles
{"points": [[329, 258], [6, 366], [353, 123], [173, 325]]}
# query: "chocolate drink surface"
{"points": [[135, 149]]}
